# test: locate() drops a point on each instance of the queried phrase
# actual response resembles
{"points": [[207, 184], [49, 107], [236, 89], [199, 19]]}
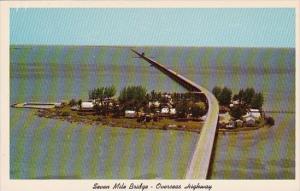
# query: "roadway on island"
{"points": [[199, 164]]}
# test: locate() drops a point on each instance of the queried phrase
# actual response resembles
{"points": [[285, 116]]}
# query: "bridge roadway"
{"points": [[199, 164]]}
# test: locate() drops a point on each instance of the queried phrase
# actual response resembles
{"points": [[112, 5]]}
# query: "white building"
{"points": [[172, 111], [231, 125], [87, 105], [58, 105], [236, 102], [203, 118], [250, 121], [165, 110], [255, 113], [130, 114]]}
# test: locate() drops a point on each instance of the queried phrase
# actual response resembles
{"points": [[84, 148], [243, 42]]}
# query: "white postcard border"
{"points": [[8, 184]]}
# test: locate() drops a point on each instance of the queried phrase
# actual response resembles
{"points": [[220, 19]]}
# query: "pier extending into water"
{"points": [[37, 105]]}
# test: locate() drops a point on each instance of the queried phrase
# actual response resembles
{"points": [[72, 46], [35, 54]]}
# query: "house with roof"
{"points": [[239, 123], [250, 121], [87, 106], [252, 113], [130, 113], [231, 125]]}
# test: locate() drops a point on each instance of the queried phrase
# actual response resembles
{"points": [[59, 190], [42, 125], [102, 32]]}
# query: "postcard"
{"points": [[149, 96]]}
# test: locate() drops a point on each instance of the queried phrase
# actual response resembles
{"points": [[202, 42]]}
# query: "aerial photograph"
{"points": [[152, 93]]}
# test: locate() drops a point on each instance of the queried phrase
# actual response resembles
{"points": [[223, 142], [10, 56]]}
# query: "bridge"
{"points": [[199, 165]]}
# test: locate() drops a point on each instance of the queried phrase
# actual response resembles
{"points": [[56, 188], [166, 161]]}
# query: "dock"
{"points": [[37, 105]]}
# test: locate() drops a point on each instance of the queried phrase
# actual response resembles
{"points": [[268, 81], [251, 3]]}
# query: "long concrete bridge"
{"points": [[199, 165]]}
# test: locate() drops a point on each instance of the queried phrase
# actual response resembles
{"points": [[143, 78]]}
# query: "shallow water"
{"points": [[44, 148]]}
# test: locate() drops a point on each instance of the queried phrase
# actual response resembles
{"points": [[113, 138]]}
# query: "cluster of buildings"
{"points": [[250, 119], [164, 108], [163, 105], [90, 104]]}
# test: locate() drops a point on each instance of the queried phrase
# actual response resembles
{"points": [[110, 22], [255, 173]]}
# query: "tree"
{"points": [[72, 102], [182, 109], [241, 94], [133, 97], [164, 99], [198, 109], [236, 97], [97, 93], [102, 92], [270, 121], [237, 112], [153, 96], [188, 95], [98, 109], [116, 110], [109, 92], [248, 95], [217, 91], [239, 97], [79, 103], [257, 101], [148, 97], [225, 96]]}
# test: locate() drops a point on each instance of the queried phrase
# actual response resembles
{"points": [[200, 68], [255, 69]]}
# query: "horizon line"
{"points": [[179, 46]]}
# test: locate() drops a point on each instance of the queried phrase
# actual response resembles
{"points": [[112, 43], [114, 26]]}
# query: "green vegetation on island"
{"points": [[244, 109], [134, 108]]}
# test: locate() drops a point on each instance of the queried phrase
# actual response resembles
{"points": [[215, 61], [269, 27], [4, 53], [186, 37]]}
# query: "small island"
{"points": [[242, 111], [133, 108], [137, 108]]}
